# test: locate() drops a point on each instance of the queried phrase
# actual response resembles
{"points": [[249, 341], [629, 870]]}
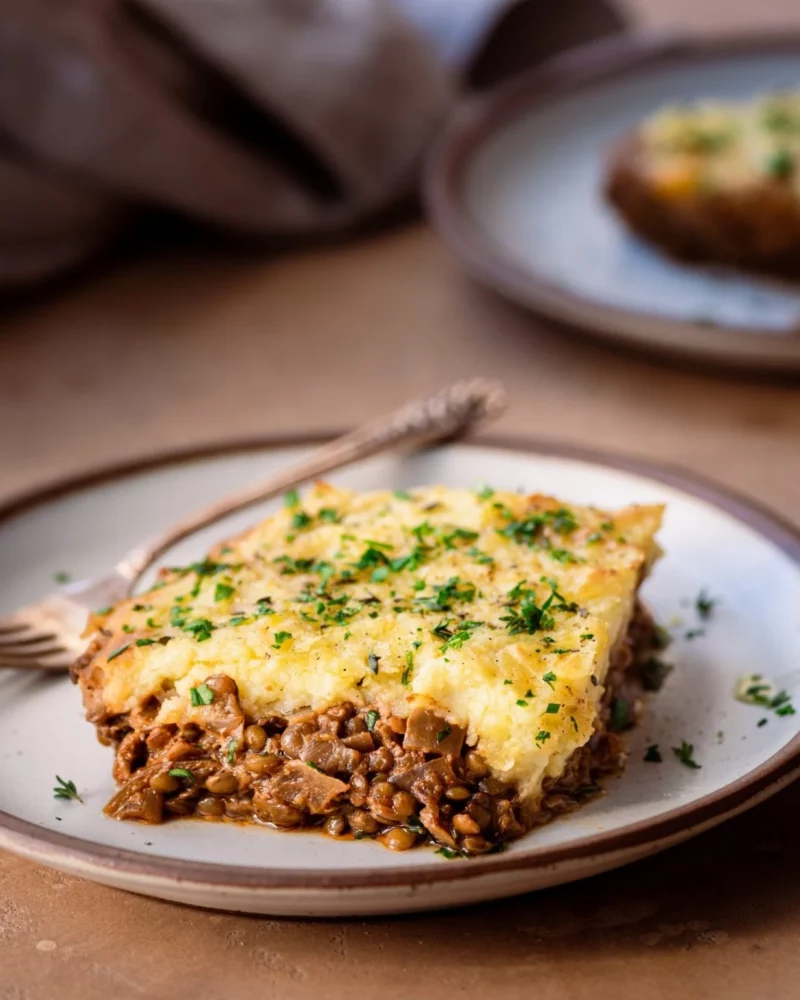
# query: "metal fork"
{"points": [[47, 635]]}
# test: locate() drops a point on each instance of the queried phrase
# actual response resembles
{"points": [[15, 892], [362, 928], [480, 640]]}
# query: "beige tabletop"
{"points": [[182, 350]]}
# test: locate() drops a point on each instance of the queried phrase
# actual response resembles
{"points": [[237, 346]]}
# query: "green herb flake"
{"points": [[484, 492], [444, 732], [292, 499], [705, 604], [372, 662], [522, 703], [552, 708], [61, 577], [549, 678], [314, 767], [230, 753], [402, 494], [66, 790], [620, 715], [145, 642], [653, 755], [105, 611], [118, 651], [280, 638], [182, 772], [684, 753], [542, 736], [653, 672], [370, 719], [404, 680], [223, 591], [588, 636], [448, 852], [762, 722], [779, 164], [300, 520], [329, 515], [201, 695]]}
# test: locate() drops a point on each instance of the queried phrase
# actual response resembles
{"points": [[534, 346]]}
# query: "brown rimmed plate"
{"points": [[743, 557], [515, 188]]}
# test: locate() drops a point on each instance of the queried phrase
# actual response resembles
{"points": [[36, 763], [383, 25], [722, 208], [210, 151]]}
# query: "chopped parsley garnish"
{"points": [[409, 667], [444, 732], [402, 495], [481, 558], [371, 718], [458, 535], [182, 772], [263, 607], [542, 736], [61, 577], [587, 635], [620, 715], [105, 611], [201, 695], [372, 662], [552, 708], [459, 637], [448, 852], [230, 753], [529, 617], [653, 754], [314, 767], [661, 637], [522, 703], [147, 642], [127, 629], [705, 604], [329, 515], [200, 628], [292, 499], [762, 722], [563, 556], [300, 520], [280, 638], [223, 591], [118, 651], [779, 164], [446, 594], [653, 672], [549, 677], [753, 689], [484, 492], [684, 754], [66, 790]]}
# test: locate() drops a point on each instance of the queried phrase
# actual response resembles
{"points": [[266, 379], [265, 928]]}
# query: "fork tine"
{"points": [[31, 654], [8, 627], [56, 665], [8, 642]]}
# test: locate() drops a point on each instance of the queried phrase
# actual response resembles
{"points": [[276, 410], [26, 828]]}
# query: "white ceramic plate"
{"points": [[739, 555], [516, 189]]}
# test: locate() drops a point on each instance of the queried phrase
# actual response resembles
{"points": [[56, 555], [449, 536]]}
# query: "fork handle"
{"points": [[452, 411]]}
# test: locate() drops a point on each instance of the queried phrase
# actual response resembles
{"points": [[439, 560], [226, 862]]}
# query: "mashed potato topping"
{"points": [[497, 609]]}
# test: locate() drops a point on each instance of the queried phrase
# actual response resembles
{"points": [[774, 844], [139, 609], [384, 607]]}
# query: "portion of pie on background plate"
{"points": [[441, 666], [715, 181]]}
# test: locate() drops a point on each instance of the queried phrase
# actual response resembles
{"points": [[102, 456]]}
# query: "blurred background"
{"points": [[269, 271]]}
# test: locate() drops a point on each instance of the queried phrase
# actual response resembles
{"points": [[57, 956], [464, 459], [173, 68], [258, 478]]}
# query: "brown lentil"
{"points": [[255, 738], [222, 783], [210, 807], [164, 783], [399, 839]]}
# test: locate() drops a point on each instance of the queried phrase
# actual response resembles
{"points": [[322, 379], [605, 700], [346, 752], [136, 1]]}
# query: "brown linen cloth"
{"points": [[265, 118]]}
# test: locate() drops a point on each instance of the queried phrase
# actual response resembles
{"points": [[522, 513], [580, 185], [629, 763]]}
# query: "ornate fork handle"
{"points": [[450, 412]]}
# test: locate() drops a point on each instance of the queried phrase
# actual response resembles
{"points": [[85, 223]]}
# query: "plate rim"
{"points": [[482, 116], [29, 839]]}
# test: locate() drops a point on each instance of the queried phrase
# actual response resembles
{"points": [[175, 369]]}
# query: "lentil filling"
{"points": [[353, 772]]}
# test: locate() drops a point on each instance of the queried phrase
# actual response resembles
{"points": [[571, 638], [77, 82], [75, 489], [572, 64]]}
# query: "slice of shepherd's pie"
{"points": [[439, 665]]}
